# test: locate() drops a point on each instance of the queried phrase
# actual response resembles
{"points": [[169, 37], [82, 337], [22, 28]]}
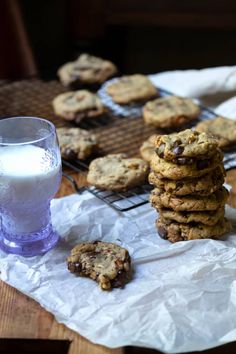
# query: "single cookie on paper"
{"points": [[78, 105], [175, 232], [117, 172], [87, 71], [147, 149], [205, 185], [171, 170], [171, 111], [186, 146], [106, 263], [160, 199], [76, 143], [223, 129], [131, 89], [185, 217]]}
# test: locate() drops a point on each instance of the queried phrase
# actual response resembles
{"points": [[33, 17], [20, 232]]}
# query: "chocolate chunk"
{"points": [[75, 267], [70, 154], [179, 185], [160, 151], [178, 150], [184, 160], [201, 164], [162, 232]]}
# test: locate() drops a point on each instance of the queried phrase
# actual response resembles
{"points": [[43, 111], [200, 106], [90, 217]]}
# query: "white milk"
{"points": [[29, 178]]}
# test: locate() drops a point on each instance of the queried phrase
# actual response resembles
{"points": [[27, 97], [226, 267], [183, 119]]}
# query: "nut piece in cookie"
{"points": [[147, 149], [86, 71], [107, 263], [223, 129], [171, 111], [186, 146], [175, 232], [77, 105], [130, 89], [117, 172], [205, 185], [76, 143]]}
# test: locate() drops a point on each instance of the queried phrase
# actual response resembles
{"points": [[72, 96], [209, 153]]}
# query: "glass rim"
{"points": [[51, 125]]}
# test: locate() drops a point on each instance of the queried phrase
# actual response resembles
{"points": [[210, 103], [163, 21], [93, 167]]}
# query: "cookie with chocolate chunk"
{"points": [[186, 146], [117, 172], [87, 71], [147, 148], [174, 232], [205, 185], [171, 111], [161, 199], [223, 129], [171, 170], [186, 217], [107, 263], [76, 143], [78, 105], [131, 89]]}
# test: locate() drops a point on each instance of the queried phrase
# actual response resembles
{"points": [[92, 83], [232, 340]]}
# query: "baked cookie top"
{"points": [[160, 199], [87, 69], [170, 170], [147, 148], [206, 218], [132, 88], [107, 263], [204, 185], [76, 105], [76, 143], [186, 146], [171, 111], [175, 232], [117, 172], [223, 129]]}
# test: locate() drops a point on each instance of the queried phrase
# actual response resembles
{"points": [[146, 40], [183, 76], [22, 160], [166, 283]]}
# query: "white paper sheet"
{"points": [[182, 296]]}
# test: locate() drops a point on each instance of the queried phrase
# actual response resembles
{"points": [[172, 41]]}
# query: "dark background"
{"points": [[138, 35]]}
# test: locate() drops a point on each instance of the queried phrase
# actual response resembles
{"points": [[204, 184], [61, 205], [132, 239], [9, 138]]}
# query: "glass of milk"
{"points": [[30, 176]]}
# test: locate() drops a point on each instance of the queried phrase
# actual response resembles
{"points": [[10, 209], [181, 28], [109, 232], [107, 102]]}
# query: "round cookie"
{"points": [[160, 199], [206, 218], [175, 232], [130, 89], [147, 149], [205, 185], [170, 170], [116, 172], [107, 263], [223, 129], [76, 143], [171, 111], [87, 70], [77, 105], [186, 146]]}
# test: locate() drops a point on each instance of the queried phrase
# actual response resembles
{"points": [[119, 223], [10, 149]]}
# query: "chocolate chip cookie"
{"points": [[185, 217], [171, 111], [205, 185], [131, 89], [161, 199], [78, 105], [107, 263], [87, 71], [116, 172], [76, 143], [186, 146], [170, 170], [222, 128], [147, 148], [175, 232]]}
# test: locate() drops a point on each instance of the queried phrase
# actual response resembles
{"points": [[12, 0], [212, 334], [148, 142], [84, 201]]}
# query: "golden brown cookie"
{"points": [[130, 89], [147, 149], [107, 263], [117, 172], [171, 111]]}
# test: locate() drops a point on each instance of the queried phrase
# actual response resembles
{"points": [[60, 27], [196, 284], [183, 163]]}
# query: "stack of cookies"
{"points": [[188, 175]]}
